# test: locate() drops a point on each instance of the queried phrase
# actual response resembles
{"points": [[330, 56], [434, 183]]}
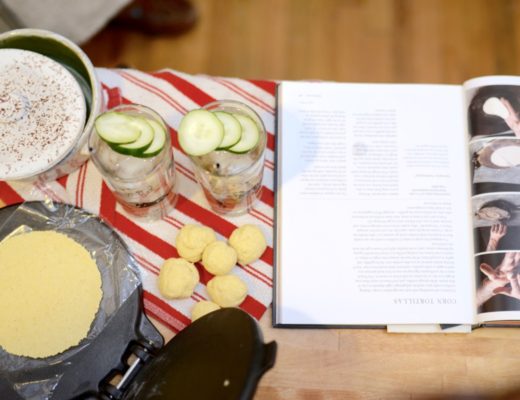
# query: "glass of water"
{"points": [[232, 182], [143, 183]]}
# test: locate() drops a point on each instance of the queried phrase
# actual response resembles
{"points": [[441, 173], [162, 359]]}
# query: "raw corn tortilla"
{"points": [[50, 291]]}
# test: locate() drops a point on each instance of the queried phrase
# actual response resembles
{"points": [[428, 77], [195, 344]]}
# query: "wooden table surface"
{"points": [[438, 41]]}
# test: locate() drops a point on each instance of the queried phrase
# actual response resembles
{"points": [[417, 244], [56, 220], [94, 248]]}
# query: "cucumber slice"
{"points": [[115, 128], [250, 135], [159, 140], [232, 129], [142, 143], [200, 132]]}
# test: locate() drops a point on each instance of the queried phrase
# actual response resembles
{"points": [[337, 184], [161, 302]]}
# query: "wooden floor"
{"points": [[437, 41]]}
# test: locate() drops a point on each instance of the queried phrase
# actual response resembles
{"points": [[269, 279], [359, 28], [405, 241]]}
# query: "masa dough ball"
{"points": [[178, 278], [192, 240], [50, 292], [202, 308], [227, 290], [219, 258], [249, 243]]}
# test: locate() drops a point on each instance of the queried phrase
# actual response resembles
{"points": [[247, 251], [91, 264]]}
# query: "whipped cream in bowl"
{"points": [[42, 113], [55, 99]]}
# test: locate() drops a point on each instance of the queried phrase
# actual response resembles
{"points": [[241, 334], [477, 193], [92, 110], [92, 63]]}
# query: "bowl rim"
{"points": [[93, 82]]}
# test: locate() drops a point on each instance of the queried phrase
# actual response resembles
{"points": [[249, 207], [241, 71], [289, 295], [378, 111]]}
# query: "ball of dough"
{"points": [[219, 258], [202, 308], [227, 290], [178, 278], [249, 243], [192, 240]]}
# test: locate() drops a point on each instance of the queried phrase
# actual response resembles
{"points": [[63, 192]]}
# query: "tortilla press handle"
{"points": [[143, 352], [269, 358]]}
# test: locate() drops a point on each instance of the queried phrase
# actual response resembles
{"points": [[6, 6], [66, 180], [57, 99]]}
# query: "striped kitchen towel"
{"points": [[172, 94]]}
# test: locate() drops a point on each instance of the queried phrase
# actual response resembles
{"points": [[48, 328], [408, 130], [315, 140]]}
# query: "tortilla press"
{"points": [[219, 356]]}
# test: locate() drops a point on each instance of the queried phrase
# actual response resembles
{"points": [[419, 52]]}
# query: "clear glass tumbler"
{"points": [[232, 182], [145, 187]]}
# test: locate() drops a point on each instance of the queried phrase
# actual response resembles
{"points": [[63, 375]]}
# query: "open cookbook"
{"points": [[398, 204]]}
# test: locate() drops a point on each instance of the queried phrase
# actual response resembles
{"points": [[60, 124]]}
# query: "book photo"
{"points": [[391, 198]]}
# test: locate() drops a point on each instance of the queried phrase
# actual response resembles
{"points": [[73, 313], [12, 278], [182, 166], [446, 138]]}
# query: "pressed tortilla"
{"points": [[50, 291]]}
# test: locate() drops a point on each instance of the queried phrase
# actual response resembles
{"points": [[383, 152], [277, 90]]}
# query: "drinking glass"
{"points": [[232, 182], [145, 187]]}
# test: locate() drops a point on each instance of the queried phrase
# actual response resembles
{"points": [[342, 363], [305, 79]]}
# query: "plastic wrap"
{"points": [[120, 278]]}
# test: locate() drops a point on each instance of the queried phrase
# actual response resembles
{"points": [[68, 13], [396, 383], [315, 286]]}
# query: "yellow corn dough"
{"points": [[178, 278], [249, 243], [227, 290], [50, 291], [202, 308], [219, 258], [192, 240]]}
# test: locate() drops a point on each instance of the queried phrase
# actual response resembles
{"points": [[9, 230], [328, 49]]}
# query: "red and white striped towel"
{"points": [[172, 94]]}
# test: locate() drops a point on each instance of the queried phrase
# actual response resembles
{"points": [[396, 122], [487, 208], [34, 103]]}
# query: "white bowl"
{"points": [[76, 62]]}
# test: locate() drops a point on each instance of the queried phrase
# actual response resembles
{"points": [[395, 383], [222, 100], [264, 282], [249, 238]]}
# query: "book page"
{"points": [[373, 215], [493, 112]]}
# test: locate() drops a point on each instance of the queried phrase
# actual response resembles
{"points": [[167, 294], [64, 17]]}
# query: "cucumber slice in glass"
{"points": [[159, 140], [142, 143], [200, 132], [250, 135], [232, 129], [115, 128]]}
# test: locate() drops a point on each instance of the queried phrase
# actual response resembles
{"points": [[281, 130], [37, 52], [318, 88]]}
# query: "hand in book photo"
{"points": [[496, 222], [511, 119], [497, 232], [498, 280], [513, 290], [504, 270]]}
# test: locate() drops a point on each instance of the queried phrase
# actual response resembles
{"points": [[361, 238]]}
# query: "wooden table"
{"points": [[372, 364], [464, 39]]}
